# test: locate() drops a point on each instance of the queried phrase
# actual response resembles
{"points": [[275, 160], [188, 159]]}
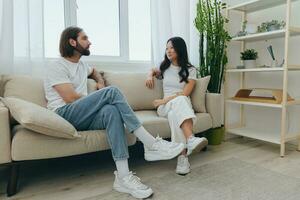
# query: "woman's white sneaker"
{"points": [[163, 150], [131, 184], [195, 144], [183, 166]]}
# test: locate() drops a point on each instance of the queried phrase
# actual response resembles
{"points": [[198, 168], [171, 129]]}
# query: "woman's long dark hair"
{"points": [[182, 59]]}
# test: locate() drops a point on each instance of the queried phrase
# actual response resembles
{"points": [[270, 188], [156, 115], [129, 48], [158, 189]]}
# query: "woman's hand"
{"points": [[158, 102], [150, 82]]}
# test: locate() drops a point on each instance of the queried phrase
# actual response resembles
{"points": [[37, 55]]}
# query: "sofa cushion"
{"points": [[39, 119], [157, 126], [40, 146], [25, 87], [198, 95], [203, 122], [5, 135], [134, 89]]}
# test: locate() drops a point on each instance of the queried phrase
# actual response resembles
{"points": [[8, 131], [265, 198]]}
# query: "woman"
{"points": [[178, 83]]}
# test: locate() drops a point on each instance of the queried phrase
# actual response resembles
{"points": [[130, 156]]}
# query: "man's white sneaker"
{"points": [[195, 144], [183, 165], [163, 150], [131, 184]]}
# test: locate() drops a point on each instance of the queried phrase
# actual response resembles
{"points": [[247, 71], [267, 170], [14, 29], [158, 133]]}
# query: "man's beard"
{"points": [[81, 50]]}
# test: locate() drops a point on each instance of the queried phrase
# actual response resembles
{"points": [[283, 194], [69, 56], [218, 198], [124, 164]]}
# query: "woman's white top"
{"points": [[171, 81]]}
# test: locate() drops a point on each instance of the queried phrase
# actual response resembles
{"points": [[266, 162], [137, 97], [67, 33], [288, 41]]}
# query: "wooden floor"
{"points": [[84, 177]]}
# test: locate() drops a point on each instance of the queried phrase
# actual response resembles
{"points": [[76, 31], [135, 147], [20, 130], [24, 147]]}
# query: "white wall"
{"points": [[261, 117]]}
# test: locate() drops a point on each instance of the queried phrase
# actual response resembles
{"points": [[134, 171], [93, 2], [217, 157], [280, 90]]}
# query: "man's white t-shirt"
{"points": [[171, 81], [64, 71]]}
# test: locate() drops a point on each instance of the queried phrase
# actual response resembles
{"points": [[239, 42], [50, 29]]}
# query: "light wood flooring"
{"points": [[84, 177]]}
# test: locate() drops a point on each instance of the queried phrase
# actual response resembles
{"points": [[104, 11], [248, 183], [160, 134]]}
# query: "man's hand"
{"points": [[98, 77], [99, 86], [158, 102]]}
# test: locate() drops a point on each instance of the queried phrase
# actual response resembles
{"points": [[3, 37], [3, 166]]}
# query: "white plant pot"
{"points": [[250, 64]]}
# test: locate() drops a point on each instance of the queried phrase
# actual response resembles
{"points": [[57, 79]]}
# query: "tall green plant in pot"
{"points": [[210, 24]]}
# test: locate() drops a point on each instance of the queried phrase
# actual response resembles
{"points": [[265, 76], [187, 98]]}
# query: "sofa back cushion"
{"points": [[25, 87], [134, 89], [198, 95], [132, 86]]}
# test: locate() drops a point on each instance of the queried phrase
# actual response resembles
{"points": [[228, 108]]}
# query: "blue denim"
{"points": [[107, 109]]}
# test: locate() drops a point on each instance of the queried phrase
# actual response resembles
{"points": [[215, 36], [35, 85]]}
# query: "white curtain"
{"points": [[170, 18], [21, 37]]}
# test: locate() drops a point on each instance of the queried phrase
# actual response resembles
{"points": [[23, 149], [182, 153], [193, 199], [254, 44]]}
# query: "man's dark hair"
{"points": [[65, 48]]}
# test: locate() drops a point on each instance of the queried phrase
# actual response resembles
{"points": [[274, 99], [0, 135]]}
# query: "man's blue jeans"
{"points": [[103, 109]]}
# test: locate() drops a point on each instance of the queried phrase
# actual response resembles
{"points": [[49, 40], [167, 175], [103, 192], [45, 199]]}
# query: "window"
{"points": [[139, 30], [100, 20], [119, 30], [53, 26]]}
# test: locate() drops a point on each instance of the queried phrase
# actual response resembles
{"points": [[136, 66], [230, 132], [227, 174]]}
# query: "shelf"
{"points": [[263, 135], [272, 105], [256, 5], [294, 31], [263, 69], [294, 102], [266, 69], [242, 98], [294, 67], [252, 103]]}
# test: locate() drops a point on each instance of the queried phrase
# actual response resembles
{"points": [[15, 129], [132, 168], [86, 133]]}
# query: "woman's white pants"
{"points": [[176, 111]]}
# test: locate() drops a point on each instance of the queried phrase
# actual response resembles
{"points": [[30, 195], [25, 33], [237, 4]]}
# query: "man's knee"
{"points": [[113, 89], [109, 109]]}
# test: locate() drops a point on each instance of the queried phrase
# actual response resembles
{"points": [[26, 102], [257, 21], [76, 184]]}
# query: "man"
{"points": [[106, 108]]}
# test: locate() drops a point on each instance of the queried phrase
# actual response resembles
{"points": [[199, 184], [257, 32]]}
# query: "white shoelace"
{"points": [[165, 144], [183, 161], [135, 181]]}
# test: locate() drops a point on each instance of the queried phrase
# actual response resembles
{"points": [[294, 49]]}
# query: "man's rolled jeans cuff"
{"points": [[121, 158], [136, 127]]}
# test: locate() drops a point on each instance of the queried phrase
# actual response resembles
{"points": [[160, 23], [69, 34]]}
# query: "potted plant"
{"points": [[210, 24], [249, 57], [271, 26]]}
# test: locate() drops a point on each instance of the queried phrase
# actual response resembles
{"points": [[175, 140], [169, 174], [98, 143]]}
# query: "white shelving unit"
{"points": [[281, 136]]}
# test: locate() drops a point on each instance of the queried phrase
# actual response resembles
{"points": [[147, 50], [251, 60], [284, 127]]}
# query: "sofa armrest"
{"points": [[5, 137], [214, 108]]}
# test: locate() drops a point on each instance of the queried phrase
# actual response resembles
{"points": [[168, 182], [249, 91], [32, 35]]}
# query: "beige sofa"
{"points": [[18, 144]]}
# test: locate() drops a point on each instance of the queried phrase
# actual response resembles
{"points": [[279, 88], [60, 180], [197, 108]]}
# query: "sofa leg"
{"points": [[13, 179]]}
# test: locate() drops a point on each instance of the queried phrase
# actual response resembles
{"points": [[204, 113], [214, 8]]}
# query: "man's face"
{"points": [[83, 44]]}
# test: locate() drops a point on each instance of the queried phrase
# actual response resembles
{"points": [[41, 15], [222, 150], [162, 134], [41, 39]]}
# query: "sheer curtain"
{"points": [[171, 18], [21, 37]]}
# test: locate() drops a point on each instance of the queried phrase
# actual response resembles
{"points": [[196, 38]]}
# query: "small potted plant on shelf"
{"points": [[249, 57], [271, 26]]}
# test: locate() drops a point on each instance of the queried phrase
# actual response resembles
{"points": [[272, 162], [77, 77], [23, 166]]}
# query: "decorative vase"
{"points": [[215, 136], [249, 63]]}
